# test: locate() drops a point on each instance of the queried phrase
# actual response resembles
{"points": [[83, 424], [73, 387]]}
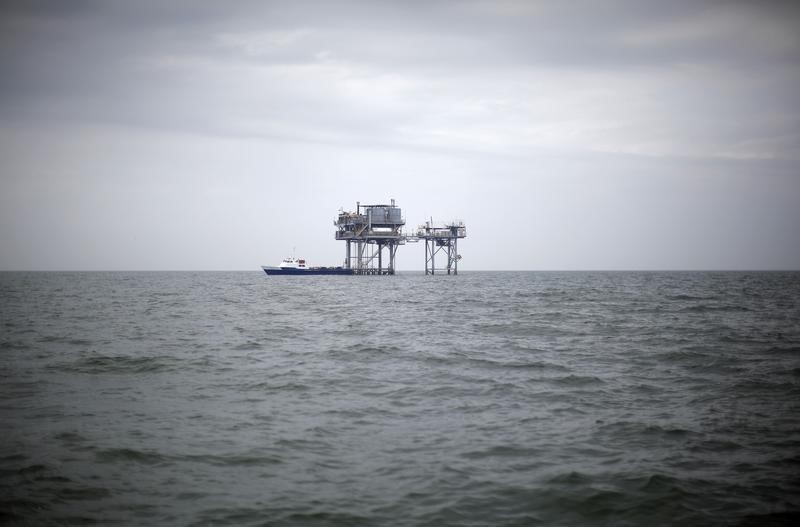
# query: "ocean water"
{"points": [[483, 399]]}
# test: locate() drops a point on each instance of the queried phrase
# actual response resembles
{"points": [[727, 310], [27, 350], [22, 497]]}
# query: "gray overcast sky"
{"points": [[568, 135]]}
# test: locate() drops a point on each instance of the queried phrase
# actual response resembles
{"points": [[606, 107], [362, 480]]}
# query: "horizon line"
{"points": [[588, 270]]}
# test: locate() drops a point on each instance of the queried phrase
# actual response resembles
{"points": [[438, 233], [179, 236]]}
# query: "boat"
{"points": [[298, 266]]}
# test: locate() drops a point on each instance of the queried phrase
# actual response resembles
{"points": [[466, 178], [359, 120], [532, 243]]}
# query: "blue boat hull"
{"points": [[308, 271]]}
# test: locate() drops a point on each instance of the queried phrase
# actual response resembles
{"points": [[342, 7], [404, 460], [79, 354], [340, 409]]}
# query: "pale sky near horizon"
{"points": [[567, 135]]}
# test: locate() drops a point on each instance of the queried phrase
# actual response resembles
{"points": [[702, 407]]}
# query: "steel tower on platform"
{"points": [[441, 239], [369, 232]]}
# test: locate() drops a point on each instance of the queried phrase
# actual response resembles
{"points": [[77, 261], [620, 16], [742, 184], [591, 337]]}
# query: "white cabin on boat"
{"points": [[293, 263]]}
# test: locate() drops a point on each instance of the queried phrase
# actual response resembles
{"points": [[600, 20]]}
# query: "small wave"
{"points": [[616, 499], [366, 351], [647, 389], [204, 363], [770, 385], [380, 349], [249, 346], [705, 308], [70, 438], [72, 341], [191, 496], [52, 338], [689, 354], [517, 365], [98, 364], [14, 457], [643, 432], [524, 294], [685, 297], [84, 493], [32, 469], [669, 432], [277, 387], [791, 460], [304, 445], [576, 380], [256, 516], [503, 451], [788, 350], [535, 365], [325, 518], [19, 511], [114, 455], [14, 345], [780, 518], [656, 484], [714, 445], [571, 478], [526, 329], [233, 460], [719, 365]]}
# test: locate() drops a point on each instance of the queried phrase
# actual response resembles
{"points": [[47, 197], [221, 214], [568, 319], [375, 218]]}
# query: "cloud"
{"points": [[497, 77], [611, 121]]}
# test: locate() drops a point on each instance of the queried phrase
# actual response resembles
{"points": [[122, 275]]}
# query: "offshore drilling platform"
{"points": [[372, 234]]}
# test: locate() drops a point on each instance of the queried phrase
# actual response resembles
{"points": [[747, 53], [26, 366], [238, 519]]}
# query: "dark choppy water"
{"points": [[482, 399]]}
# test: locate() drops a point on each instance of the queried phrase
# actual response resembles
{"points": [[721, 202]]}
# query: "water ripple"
{"points": [[488, 399]]}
